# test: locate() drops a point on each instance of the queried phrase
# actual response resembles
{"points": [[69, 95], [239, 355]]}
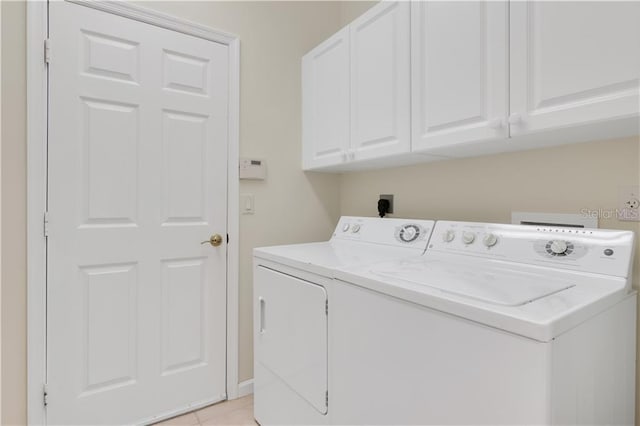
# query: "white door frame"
{"points": [[37, 32]]}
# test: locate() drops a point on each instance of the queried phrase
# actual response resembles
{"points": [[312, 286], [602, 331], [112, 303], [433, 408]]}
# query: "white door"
{"points": [[325, 102], [137, 179], [573, 63], [380, 81], [459, 72]]}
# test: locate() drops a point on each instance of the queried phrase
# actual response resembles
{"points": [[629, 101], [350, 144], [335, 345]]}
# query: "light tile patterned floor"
{"points": [[236, 412]]}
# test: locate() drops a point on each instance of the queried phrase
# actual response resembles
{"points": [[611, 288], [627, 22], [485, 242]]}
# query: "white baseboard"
{"points": [[245, 388]]}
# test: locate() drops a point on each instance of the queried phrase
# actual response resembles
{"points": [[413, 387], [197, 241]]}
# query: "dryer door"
{"points": [[290, 320]]}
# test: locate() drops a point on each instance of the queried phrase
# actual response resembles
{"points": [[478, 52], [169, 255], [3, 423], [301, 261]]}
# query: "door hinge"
{"points": [[227, 238], [46, 224], [326, 307], [47, 51], [45, 394], [326, 399]]}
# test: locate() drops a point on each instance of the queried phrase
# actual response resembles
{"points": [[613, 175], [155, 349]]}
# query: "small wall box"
{"points": [[251, 168]]}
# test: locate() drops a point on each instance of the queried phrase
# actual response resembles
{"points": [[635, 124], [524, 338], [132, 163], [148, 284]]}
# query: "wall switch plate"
{"points": [[629, 203], [390, 198], [247, 204]]}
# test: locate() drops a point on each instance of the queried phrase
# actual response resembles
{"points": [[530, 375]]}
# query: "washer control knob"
{"points": [[448, 236], [558, 246], [345, 227], [355, 228], [409, 233], [490, 240], [468, 237]]}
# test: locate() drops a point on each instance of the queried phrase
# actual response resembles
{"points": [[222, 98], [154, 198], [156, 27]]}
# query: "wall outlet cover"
{"points": [[629, 203]]}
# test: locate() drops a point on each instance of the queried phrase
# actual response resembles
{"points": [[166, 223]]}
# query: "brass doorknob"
{"points": [[215, 240]]}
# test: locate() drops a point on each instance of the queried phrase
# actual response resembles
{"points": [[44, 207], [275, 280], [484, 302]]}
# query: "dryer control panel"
{"points": [[389, 231], [600, 251]]}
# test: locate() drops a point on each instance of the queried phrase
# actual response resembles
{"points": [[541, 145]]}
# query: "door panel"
{"points": [[184, 326], [573, 63], [137, 179], [380, 81], [460, 72], [110, 320]]}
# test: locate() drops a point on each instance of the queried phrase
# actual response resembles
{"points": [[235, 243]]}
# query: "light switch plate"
{"points": [[629, 203], [247, 204]]}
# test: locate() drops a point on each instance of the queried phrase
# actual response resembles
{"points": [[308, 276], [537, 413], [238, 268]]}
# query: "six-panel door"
{"points": [[137, 179]]}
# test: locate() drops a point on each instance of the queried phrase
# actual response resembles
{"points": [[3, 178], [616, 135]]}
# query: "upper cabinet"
{"points": [[459, 72], [356, 91], [573, 63], [380, 81], [325, 102], [414, 81]]}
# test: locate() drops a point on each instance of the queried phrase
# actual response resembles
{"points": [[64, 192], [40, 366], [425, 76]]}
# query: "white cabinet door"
{"points": [[325, 102], [573, 63], [380, 81], [459, 72]]}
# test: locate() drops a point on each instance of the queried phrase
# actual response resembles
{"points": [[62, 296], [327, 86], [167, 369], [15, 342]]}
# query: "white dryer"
{"points": [[292, 310], [495, 324]]}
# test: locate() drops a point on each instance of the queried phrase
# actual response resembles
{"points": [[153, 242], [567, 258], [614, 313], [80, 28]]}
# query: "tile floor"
{"points": [[236, 412]]}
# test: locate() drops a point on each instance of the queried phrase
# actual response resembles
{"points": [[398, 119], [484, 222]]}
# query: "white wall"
{"points": [[0, 214], [13, 191]]}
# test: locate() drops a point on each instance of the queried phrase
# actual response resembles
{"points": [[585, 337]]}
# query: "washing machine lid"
{"points": [[495, 284], [322, 258]]}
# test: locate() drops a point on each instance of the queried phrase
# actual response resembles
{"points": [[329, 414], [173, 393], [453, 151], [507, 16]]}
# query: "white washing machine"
{"points": [[292, 310], [495, 324]]}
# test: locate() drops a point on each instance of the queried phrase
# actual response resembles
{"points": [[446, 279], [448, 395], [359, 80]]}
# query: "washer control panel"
{"points": [[590, 250], [391, 231]]}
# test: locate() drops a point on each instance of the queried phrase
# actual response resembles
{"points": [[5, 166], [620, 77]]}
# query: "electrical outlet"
{"points": [[629, 203], [390, 198]]}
